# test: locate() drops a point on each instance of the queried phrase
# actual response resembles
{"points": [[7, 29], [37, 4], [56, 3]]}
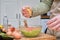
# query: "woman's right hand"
{"points": [[27, 12]]}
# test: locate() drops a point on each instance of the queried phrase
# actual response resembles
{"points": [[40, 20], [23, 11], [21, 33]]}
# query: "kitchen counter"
{"points": [[40, 37]]}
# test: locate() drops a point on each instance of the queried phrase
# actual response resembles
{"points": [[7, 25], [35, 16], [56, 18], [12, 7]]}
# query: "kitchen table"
{"points": [[40, 37]]}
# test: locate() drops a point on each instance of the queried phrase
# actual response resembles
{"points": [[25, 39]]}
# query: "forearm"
{"points": [[42, 8]]}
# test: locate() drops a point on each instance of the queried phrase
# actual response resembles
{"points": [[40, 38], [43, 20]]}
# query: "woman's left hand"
{"points": [[54, 23]]}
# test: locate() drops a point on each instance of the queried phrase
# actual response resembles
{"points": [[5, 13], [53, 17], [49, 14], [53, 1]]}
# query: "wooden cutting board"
{"points": [[40, 37]]}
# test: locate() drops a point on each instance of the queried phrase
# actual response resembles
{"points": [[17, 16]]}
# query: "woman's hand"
{"points": [[27, 12], [54, 23]]}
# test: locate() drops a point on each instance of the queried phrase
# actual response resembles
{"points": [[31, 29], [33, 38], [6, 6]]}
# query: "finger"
{"points": [[52, 20], [54, 23], [56, 27]]}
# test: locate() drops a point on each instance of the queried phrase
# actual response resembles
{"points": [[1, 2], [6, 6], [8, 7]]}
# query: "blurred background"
{"points": [[12, 9]]}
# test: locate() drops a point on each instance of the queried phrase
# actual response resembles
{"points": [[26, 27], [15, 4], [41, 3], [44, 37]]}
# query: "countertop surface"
{"points": [[40, 37]]}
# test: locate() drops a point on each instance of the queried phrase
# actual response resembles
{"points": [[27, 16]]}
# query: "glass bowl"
{"points": [[31, 31]]}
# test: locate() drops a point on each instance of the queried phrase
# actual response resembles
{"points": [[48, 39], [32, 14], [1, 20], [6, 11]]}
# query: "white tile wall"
{"points": [[0, 11], [11, 7]]}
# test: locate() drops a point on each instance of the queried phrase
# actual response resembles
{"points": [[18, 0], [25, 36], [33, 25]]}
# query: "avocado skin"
{"points": [[4, 37]]}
